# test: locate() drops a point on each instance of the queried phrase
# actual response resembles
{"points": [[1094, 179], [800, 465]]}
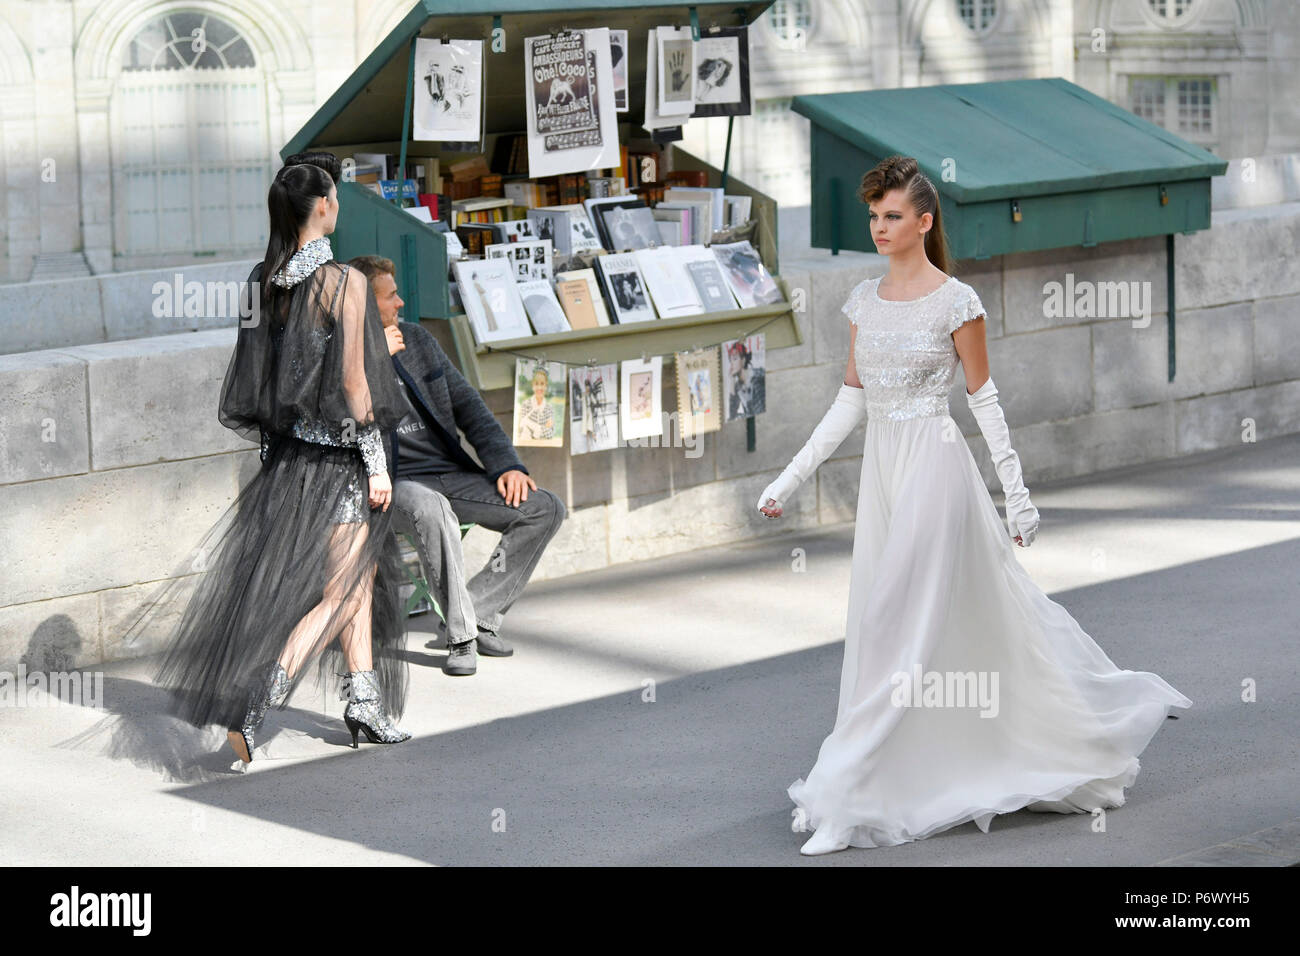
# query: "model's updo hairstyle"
{"points": [[902, 172]]}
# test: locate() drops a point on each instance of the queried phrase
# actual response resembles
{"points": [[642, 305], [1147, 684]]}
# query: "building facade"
{"points": [[137, 133]]}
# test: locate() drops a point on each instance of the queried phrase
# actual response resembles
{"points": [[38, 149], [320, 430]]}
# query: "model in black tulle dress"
{"points": [[303, 566]]}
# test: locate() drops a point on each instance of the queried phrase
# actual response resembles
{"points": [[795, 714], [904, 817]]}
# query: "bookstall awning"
{"points": [[367, 112], [1020, 165], [365, 108]]}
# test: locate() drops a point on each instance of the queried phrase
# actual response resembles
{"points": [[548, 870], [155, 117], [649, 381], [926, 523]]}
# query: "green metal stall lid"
{"points": [[1011, 138], [349, 118]]}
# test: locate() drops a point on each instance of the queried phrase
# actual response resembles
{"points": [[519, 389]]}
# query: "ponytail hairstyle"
{"points": [[293, 194], [902, 172]]}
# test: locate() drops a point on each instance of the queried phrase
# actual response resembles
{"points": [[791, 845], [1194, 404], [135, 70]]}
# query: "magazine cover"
{"points": [[627, 291], [745, 273], [699, 391], [539, 403], [593, 408], [448, 90], [722, 73], [744, 377], [569, 87]]}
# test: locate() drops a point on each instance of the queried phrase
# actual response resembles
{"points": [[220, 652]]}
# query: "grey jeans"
{"points": [[434, 506]]}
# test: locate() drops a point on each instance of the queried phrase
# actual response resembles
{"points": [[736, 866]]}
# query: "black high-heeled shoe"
{"points": [[365, 711], [266, 692]]}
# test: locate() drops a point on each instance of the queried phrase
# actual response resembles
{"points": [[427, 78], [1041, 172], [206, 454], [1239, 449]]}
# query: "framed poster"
{"points": [[448, 91], [722, 73], [569, 87]]}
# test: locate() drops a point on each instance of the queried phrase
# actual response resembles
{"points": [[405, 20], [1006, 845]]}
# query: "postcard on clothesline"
{"points": [[593, 408], [539, 403], [572, 122], [699, 391], [744, 377], [722, 73], [448, 90], [618, 60], [641, 397]]}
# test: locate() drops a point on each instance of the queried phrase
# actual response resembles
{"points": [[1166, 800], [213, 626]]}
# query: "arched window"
{"points": [[790, 22], [1170, 10], [191, 157], [978, 15]]}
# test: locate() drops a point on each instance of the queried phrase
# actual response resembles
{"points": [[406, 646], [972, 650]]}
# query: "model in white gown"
{"points": [[936, 589]]}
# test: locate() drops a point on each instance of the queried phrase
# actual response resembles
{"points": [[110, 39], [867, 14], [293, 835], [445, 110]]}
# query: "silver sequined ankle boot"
{"points": [[365, 710], [266, 692]]}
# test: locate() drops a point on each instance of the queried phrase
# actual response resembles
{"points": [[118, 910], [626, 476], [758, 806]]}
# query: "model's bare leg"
{"points": [[337, 606]]}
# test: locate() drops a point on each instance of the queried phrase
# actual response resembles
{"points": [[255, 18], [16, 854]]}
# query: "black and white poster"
{"points": [[676, 68], [618, 60], [570, 93], [722, 73], [448, 95]]}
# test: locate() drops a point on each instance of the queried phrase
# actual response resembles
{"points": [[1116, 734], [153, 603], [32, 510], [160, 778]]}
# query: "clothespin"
{"points": [[695, 24]]}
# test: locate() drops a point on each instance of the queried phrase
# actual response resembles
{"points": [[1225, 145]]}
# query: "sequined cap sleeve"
{"points": [[967, 307], [853, 305]]}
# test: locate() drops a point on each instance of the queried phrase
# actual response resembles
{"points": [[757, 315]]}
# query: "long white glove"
{"points": [[1022, 516], [845, 414]]}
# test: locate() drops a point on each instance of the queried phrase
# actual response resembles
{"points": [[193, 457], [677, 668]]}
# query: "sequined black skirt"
{"points": [[299, 538]]}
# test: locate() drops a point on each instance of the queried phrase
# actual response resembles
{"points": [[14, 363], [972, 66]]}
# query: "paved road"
{"points": [[1188, 569]]}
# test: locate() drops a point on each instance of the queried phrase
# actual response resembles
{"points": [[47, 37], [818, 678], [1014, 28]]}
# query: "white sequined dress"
{"points": [[965, 691]]}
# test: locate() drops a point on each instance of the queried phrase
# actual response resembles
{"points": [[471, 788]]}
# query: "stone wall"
{"points": [[112, 462]]}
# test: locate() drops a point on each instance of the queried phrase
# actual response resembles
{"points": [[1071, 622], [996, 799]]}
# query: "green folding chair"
{"points": [[421, 599]]}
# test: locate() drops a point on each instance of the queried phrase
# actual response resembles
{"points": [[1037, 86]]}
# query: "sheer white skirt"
{"points": [[1018, 706]]}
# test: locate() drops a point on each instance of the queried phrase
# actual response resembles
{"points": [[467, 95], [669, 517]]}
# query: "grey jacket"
{"points": [[451, 403]]}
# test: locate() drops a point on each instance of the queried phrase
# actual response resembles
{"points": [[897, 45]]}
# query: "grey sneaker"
{"points": [[491, 644], [461, 660]]}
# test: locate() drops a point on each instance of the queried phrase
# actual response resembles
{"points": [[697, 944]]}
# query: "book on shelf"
{"points": [[744, 271], [706, 274], [713, 195], [568, 227], [701, 217], [571, 295], [674, 224], [669, 284], [625, 288], [543, 307]]}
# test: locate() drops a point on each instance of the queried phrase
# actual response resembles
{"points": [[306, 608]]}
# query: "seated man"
{"points": [[437, 485]]}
